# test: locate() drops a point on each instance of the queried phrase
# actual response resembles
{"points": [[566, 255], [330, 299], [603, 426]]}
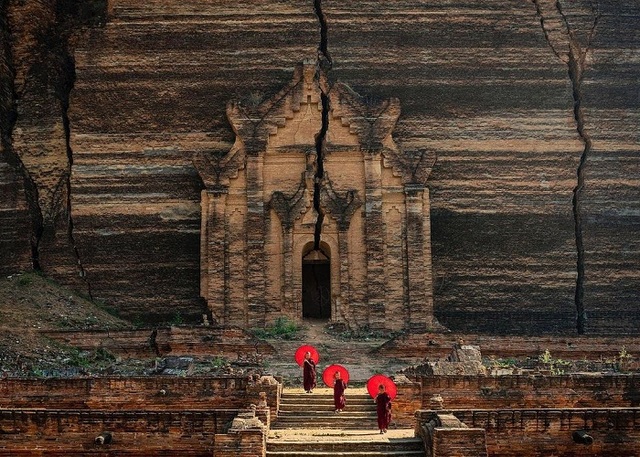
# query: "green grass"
{"points": [[284, 328]]}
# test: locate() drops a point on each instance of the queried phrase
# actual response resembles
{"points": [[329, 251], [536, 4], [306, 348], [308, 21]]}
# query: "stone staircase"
{"points": [[400, 447], [308, 426], [316, 410]]}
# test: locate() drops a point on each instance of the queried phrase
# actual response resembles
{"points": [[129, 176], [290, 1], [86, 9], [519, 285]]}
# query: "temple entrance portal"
{"points": [[316, 285], [316, 213]]}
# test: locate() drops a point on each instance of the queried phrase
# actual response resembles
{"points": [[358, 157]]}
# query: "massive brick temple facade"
{"points": [[316, 212], [530, 107]]}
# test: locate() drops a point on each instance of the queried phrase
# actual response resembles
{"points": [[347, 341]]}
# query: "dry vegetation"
{"points": [[30, 303]]}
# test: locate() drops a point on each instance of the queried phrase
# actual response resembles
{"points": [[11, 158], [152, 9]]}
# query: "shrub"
{"points": [[284, 328]]}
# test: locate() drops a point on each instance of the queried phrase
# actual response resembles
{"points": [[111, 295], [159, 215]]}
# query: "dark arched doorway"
{"points": [[316, 285]]}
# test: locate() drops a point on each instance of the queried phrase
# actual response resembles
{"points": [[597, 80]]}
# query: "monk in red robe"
{"points": [[383, 408], [338, 391], [308, 373]]}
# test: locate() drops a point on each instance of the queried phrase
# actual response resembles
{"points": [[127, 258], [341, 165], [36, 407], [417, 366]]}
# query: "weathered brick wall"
{"points": [[459, 442], [241, 443], [45, 393], [56, 421], [569, 391], [135, 433], [206, 54], [445, 436], [185, 447], [15, 224], [148, 416], [407, 401], [511, 433], [168, 393], [437, 345], [229, 343], [159, 393]]}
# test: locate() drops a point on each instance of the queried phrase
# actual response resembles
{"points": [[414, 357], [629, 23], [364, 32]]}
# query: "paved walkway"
{"points": [[340, 435], [354, 355]]}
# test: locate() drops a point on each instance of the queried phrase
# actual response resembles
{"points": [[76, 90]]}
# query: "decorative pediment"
{"points": [[413, 166], [291, 207], [341, 208], [216, 170], [253, 123], [371, 121]]}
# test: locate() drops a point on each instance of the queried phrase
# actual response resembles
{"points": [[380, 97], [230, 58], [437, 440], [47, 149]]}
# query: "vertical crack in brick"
{"points": [[31, 195], [324, 65], [575, 73], [71, 17], [323, 47], [8, 118], [52, 71], [66, 85], [320, 138], [563, 40]]}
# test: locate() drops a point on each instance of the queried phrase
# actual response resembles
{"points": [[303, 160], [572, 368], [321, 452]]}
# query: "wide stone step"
{"points": [[327, 424], [300, 407], [308, 426], [341, 419], [346, 414], [304, 396], [364, 423], [324, 391], [324, 401], [311, 399], [420, 453], [311, 445]]}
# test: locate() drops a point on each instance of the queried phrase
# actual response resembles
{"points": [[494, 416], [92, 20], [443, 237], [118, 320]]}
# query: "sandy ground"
{"points": [[353, 354]]}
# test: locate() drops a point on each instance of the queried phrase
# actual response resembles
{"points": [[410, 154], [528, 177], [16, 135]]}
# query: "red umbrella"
{"points": [[302, 350], [329, 373], [374, 382]]}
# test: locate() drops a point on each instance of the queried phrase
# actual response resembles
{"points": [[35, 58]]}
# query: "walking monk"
{"points": [[308, 373], [338, 391], [383, 408]]}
